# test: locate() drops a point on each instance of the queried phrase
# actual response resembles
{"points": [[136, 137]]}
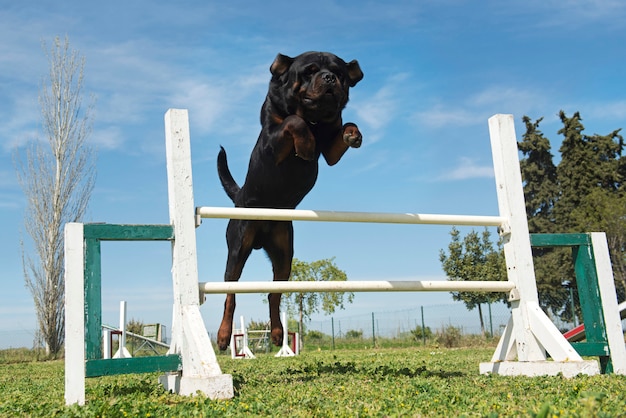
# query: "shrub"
{"points": [[420, 333], [354, 334], [315, 335], [258, 325], [449, 336]]}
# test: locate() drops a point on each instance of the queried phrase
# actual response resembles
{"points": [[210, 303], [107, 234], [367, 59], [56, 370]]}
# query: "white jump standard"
{"points": [[240, 335], [523, 349]]}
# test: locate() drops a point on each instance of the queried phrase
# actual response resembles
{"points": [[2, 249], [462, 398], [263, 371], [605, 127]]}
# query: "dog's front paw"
{"points": [[352, 136], [295, 135], [305, 147]]}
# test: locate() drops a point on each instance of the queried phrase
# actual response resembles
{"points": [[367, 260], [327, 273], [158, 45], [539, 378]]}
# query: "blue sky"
{"points": [[435, 71]]}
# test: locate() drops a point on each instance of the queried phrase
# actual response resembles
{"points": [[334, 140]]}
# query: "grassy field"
{"points": [[423, 381]]}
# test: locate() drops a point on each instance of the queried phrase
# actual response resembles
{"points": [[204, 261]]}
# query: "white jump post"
{"points": [[190, 339], [285, 350], [122, 351], [245, 349], [529, 333], [74, 316], [606, 284]]}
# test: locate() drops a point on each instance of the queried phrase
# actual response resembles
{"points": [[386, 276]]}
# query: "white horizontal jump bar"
{"points": [[355, 286], [332, 216]]}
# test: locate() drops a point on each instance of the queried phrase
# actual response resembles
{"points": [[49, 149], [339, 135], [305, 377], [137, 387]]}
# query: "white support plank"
{"points": [[549, 335], [181, 202], [285, 350], [204, 363], [74, 314], [505, 349], [189, 335], [612, 317], [181, 206], [530, 329], [541, 368], [516, 243]]}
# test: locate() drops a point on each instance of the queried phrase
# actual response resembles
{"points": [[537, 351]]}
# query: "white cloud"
{"points": [[8, 179], [22, 122], [208, 103], [441, 115], [8, 201], [476, 108], [110, 137], [503, 96], [10, 194], [378, 110], [468, 168], [576, 13], [604, 110]]}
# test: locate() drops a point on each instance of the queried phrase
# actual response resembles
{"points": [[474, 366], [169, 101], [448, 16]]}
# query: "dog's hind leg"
{"points": [[279, 248], [240, 238]]}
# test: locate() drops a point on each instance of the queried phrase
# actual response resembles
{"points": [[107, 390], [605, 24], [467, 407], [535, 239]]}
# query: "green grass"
{"points": [[422, 381]]}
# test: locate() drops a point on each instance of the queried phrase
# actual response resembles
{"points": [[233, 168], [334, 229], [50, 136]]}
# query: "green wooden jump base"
{"points": [[528, 341], [93, 234], [602, 332]]}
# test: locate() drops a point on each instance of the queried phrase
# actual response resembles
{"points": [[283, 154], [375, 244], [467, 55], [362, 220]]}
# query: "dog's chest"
{"points": [[280, 186]]}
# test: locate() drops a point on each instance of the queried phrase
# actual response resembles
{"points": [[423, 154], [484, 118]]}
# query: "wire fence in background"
{"points": [[396, 324], [401, 323]]}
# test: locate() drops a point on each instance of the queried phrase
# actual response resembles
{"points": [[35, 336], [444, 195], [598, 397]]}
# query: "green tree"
{"points": [[474, 259], [539, 176], [602, 210], [308, 303], [587, 163], [591, 182], [541, 191], [583, 193], [258, 325]]}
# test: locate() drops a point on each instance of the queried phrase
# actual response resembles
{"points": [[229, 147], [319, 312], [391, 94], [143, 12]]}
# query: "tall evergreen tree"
{"points": [[574, 170], [585, 192], [591, 184], [539, 176], [587, 163], [600, 203], [605, 211], [541, 193]]}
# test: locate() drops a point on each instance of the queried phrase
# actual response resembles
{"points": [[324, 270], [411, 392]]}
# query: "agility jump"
{"points": [[528, 339]]}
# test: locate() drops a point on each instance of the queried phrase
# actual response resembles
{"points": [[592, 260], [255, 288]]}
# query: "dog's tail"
{"points": [[228, 182]]}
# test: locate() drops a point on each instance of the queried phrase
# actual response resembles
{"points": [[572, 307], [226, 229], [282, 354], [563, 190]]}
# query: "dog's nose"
{"points": [[329, 78]]}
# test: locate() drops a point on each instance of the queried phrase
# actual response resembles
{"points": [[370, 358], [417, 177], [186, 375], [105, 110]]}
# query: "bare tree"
{"points": [[57, 177]]}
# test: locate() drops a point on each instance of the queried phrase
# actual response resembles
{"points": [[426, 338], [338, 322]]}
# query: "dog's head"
{"points": [[313, 85]]}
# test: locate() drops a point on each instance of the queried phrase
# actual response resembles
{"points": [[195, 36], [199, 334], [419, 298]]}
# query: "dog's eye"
{"points": [[311, 70]]}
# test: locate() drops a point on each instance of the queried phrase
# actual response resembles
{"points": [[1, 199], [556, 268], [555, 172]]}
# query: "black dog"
{"points": [[301, 119]]}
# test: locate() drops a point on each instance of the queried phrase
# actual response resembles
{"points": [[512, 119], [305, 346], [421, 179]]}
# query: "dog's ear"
{"points": [[354, 73], [280, 65]]}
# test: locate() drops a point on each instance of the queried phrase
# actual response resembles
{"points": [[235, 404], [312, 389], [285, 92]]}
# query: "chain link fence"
{"points": [[401, 323], [431, 319], [391, 324]]}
